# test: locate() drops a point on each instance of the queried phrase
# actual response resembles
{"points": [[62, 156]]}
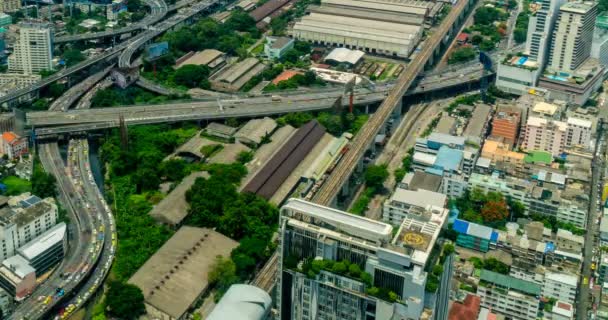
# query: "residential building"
{"points": [[33, 48], [10, 5], [579, 133], [310, 232], [560, 311], [572, 36], [603, 268], [514, 298], [243, 302], [22, 219], [545, 135], [12, 145], [276, 47], [477, 126], [17, 277], [501, 152], [543, 109], [540, 29], [567, 241], [560, 286], [505, 124]]}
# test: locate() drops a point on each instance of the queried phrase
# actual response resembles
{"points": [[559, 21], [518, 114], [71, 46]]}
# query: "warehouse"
{"points": [[232, 78], [371, 36], [273, 174], [176, 276]]}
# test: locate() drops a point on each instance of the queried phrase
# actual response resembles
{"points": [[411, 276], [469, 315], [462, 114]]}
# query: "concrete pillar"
{"points": [[397, 113]]}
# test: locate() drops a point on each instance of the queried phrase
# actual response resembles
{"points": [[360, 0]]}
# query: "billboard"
{"points": [[156, 50]]}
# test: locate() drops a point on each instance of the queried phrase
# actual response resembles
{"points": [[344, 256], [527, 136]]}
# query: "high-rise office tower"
{"points": [[539, 30], [572, 35], [599, 48], [335, 265], [33, 49]]}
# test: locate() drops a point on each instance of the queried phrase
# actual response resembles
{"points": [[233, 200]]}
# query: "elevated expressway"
{"points": [[73, 121], [158, 9], [130, 46], [90, 252]]}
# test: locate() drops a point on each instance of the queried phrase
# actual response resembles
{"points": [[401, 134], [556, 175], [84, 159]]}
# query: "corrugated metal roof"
{"points": [[266, 9]]}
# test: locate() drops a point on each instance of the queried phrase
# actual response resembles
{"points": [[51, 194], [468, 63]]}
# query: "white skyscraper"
{"points": [[599, 48], [540, 30], [572, 36], [33, 50]]}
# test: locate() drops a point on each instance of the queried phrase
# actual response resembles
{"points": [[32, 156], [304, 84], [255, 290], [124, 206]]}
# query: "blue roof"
{"points": [[494, 236], [448, 159], [460, 226]]}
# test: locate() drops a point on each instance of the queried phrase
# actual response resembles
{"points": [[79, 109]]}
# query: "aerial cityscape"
{"points": [[304, 159]]}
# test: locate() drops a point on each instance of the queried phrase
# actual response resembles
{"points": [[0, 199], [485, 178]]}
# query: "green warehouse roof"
{"points": [[510, 282]]}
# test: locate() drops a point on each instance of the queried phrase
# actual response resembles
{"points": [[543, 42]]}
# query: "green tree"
{"points": [[190, 75], [520, 35], [125, 301], [487, 45], [476, 39], [375, 175], [244, 156], [43, 184], [222, 275], [72, 57], [462, 54], [174, 169]]}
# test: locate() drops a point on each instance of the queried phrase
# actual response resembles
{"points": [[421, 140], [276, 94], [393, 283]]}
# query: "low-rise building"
{"points": [[220, 130], [17, 277], [13, 146], [567, 241], [505, 125], [468, 308], [560, 286], [276, 47], [475, 236], [209, 57], [232, 78], [477, 126], [254, 131], [560, 311], [514, 298]]}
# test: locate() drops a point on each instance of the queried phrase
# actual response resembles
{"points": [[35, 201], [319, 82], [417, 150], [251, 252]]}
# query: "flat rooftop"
{"points": [[355, 225], [175, 276], [416, 239], [43, 242]]}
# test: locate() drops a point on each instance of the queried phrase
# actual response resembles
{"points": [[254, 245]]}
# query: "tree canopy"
{"points": [[125, 301], [375, 176]]}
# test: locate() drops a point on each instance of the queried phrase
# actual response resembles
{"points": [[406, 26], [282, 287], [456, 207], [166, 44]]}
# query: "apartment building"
{"points": [[560, 286], [572, 36], [12, 145], [514, 298], [33, 48], [505, 124], [318, 235], [579, 133], [22, 219], [544, 135], [567, 241]]}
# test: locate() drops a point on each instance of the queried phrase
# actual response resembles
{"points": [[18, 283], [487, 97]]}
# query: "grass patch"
{"points": [[211, 149], [258, 49], [16, 185]]}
